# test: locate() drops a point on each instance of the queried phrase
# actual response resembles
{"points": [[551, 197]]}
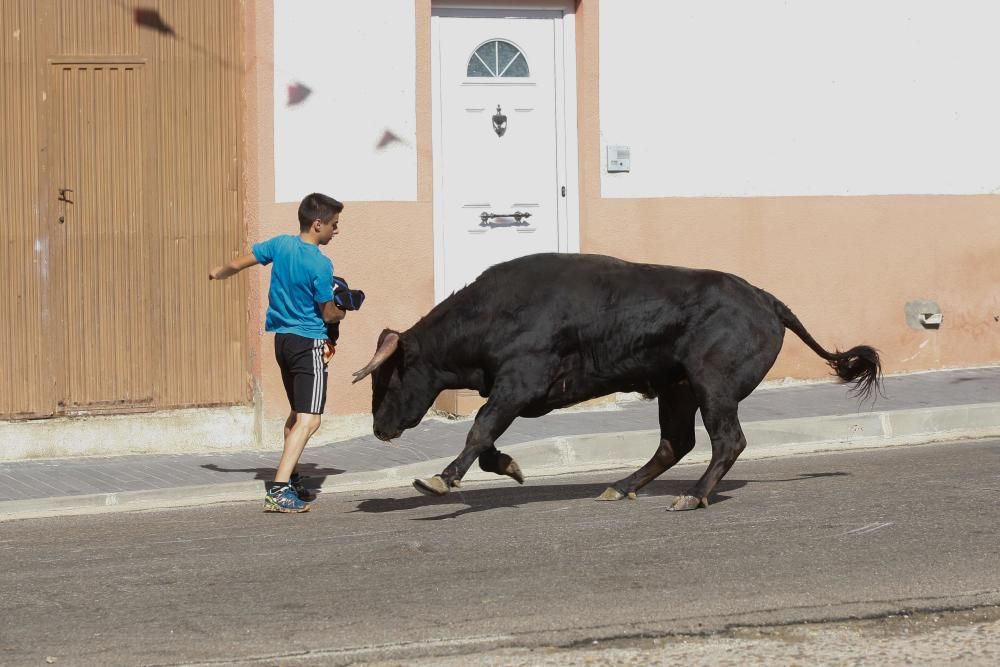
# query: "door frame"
{"points": [[567, 157]]}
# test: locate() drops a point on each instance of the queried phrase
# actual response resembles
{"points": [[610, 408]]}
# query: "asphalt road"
{"points": [[393, 576]]}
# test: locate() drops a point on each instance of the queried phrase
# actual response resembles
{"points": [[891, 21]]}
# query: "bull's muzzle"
{"points": [[386, 436]]}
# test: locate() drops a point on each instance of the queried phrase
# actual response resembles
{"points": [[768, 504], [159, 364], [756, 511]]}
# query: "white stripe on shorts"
{"points": [[317, 393]]}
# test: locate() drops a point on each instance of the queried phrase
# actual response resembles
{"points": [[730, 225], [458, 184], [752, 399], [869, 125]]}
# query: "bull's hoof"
{"points": [[610, 493], [432, 486], [514, 472], [682, 503]]}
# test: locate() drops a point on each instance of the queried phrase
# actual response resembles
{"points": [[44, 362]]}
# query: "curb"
{"points": [[578, 454]]}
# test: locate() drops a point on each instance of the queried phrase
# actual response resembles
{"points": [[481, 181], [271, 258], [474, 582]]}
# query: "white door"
{"points": [[500, 135]]}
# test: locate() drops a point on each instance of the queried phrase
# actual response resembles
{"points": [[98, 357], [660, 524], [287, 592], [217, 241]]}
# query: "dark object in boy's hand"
{"points": [[344, 297]]}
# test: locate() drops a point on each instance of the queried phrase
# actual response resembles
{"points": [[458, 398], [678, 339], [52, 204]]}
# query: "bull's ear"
{"points": [[388, 342]]}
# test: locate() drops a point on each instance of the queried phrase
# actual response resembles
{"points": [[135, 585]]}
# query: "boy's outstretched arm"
{"points": [[232, 268]]}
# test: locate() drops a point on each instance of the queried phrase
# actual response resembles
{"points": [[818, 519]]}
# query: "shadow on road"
{"points": [[315, 475], [480, 500], [801, 477]]}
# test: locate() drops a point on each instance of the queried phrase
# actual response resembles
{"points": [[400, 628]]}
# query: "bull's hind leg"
{"points": [[677, 407], [728, 441], [490, 423], [732, 355]]}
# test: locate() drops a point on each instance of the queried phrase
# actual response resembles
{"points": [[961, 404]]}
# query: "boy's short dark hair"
{"points": [[317, 207]]}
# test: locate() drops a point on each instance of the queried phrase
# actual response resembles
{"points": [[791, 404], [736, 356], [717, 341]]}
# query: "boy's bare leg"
{"points": [[289, 425], [296, 437]]}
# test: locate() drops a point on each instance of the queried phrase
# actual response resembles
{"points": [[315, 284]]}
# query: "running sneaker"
{"points": [[284, 500]]}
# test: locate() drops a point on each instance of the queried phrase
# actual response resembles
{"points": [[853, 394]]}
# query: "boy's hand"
{"points": [[332, 313], [328, 352], [216, 273]]}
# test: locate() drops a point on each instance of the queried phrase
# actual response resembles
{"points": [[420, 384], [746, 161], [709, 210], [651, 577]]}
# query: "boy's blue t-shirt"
{"points": [[301, 280]]}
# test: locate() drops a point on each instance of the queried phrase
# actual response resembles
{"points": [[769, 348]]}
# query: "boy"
{"points": [[300, 305]]}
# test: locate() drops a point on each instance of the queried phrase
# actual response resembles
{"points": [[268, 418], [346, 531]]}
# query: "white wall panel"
{"points": [[359, 60], [811, 97]]}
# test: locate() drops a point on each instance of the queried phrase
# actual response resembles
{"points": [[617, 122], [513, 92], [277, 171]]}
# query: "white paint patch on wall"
{"points": [[814, 97], [359, 61]]}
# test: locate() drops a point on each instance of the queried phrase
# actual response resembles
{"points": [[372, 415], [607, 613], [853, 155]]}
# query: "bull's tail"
{"points": [[859, 365]]}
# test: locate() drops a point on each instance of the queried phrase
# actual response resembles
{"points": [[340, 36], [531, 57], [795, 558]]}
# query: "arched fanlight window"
{"points": [[497, 58]]}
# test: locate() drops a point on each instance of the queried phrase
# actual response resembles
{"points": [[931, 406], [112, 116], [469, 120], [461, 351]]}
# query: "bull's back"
{"points": [[556, 290], [566, 283], [614, 325]]}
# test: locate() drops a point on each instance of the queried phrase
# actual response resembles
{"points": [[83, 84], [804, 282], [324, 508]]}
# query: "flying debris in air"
{"points": [[297, 93], [146, 17], [388, 137], [150, 18]]}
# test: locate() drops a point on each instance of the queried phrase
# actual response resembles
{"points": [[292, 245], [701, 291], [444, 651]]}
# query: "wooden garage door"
{"points": [[126, 189], [102, 235]]}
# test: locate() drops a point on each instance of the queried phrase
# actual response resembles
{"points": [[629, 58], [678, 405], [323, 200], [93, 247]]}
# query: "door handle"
{"points": [[63, 199], [485, 219]]}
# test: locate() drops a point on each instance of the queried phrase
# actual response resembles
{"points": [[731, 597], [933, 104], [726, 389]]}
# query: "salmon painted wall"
{"points": [[846, 266]]}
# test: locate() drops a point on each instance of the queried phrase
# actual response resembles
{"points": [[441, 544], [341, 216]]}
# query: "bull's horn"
{"points": [[383, 352]]}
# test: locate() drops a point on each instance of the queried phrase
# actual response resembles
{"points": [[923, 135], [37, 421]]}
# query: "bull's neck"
{"points": [[450, 344]]}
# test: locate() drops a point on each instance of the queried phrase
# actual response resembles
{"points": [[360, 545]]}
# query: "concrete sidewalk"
{"points": [[918, 408]]}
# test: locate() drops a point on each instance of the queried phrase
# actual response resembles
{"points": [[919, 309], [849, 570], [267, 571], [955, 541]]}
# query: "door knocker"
{"points": [[499, 122]]}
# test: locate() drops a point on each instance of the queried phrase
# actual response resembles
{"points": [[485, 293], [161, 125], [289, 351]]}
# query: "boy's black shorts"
{"points": [[302, 371]]}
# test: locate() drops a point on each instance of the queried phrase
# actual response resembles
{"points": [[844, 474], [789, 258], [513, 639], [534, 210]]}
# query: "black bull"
{"points": [[547, 331]]}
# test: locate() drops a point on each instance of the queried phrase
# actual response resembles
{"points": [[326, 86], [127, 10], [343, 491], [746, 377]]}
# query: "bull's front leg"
{"points": [[490, 423], [493, 460]]}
